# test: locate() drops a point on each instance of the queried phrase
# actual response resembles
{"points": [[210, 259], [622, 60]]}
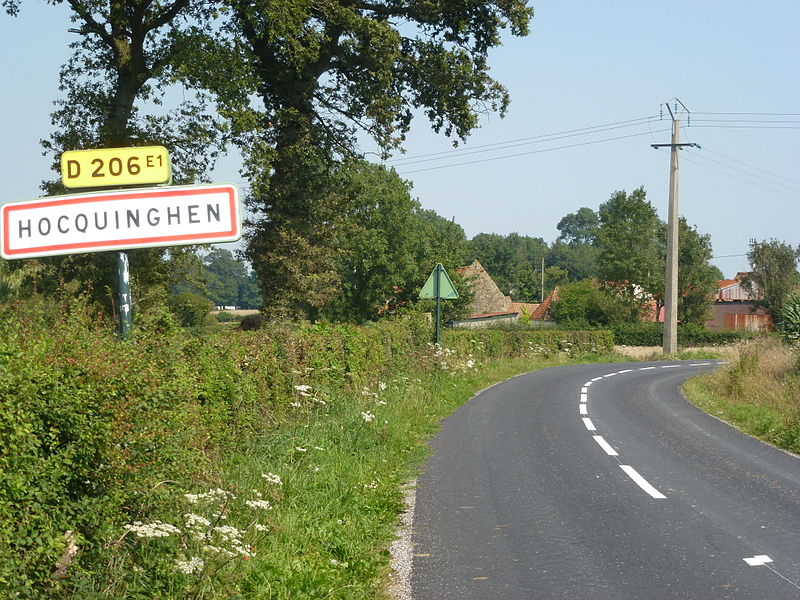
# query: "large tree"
{"points": [[325, 70], [697, 277], [377, 243], [631, 248], [773, 275], [579, 227]]}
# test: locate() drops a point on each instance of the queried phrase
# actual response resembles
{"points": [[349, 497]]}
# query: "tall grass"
{"points": [[758, 391]]}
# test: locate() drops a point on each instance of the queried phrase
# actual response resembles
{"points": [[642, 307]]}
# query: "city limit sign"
{"points": [[119, 220]]}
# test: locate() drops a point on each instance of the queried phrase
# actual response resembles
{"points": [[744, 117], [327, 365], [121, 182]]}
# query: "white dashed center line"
{"points": [[589, 425], [642, 482], [605, 445]]}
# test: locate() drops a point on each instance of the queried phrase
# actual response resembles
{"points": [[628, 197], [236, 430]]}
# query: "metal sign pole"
{"points": [[437, 292], [124, 295]]}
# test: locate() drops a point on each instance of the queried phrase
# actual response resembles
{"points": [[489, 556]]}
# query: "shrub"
{"points": [[192, 310], [584, 303], [651, 334], [789, 326]]}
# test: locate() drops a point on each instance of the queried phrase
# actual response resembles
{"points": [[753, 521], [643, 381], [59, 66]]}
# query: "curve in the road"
{"points": [[512, 504]]}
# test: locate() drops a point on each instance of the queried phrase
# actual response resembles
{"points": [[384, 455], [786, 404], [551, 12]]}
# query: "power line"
{"points": [[745, 127], [471, 152], [766, 114], [547, 137], [472, 162], [707, 149], [722, 164], [699, 164]]}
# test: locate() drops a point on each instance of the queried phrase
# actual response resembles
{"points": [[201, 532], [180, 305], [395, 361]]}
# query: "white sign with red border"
{"points": [[140, 218]]}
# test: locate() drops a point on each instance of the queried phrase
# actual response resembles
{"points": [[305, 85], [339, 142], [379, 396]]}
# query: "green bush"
{"points": [[527, 342], [192, 310], [790, 319], [651, 334], [584, 303]]}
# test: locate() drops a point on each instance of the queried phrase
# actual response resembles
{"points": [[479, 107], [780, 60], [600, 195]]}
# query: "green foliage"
{"points": [[97, 433], [757, 392], [579, 260], [584, 304], [789, 326], [229, 281], [529, 343], [631, 249], [773, 275], [651, 334], [192, 310], [579, 227], [321, 74], [697, 278]]}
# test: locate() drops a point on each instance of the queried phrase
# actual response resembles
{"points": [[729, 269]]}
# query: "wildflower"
{"points": [[228, 533], [318, 448], [299, 449], [260, 527], [302, 388], [265, 504], [272, 478], [213, 495], [217, 550], [193, 520], [381, 385], [193, 565], [152, 530], [381, 403], [295, 404], [367, 416], [371, 485]]}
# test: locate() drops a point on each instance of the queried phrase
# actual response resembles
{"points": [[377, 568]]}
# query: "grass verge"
{"points": [[323, 490], [758, 392]]}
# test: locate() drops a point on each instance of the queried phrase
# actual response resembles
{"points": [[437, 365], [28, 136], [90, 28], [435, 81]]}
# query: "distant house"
{"points": [[733, 307], [490, 305]]}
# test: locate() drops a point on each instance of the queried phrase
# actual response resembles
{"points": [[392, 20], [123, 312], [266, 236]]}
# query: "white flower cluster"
{"points": [[194, 521], [215, 495], [272, 478], [262, 504], [193, 565], [152, 530], [448, 360], [535, 350], [367, 416], [231, 536]]}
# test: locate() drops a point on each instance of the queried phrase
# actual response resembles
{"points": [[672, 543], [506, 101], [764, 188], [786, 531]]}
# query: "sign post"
{"points": [[438, 286], [117, 167], [121, 219]]}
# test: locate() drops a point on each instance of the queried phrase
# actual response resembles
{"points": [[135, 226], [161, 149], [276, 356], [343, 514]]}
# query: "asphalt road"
{"points": [[602, 482]]}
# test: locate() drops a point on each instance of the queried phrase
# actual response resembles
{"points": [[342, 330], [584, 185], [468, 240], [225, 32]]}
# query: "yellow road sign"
{"points": [[115, 167]]}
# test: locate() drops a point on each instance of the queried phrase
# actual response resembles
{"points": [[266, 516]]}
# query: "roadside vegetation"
{"points": [[217, 463], [758, 391]]}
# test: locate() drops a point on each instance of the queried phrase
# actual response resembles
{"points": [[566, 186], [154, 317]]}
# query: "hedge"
{"points": [[651, 334], [92, 428]]}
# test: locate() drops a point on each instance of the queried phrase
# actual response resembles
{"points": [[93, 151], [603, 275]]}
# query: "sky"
{"points": [[588, 72]]}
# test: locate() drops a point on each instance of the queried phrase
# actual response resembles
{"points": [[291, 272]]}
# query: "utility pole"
{"points": [[543, 279], [670, 340]]}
